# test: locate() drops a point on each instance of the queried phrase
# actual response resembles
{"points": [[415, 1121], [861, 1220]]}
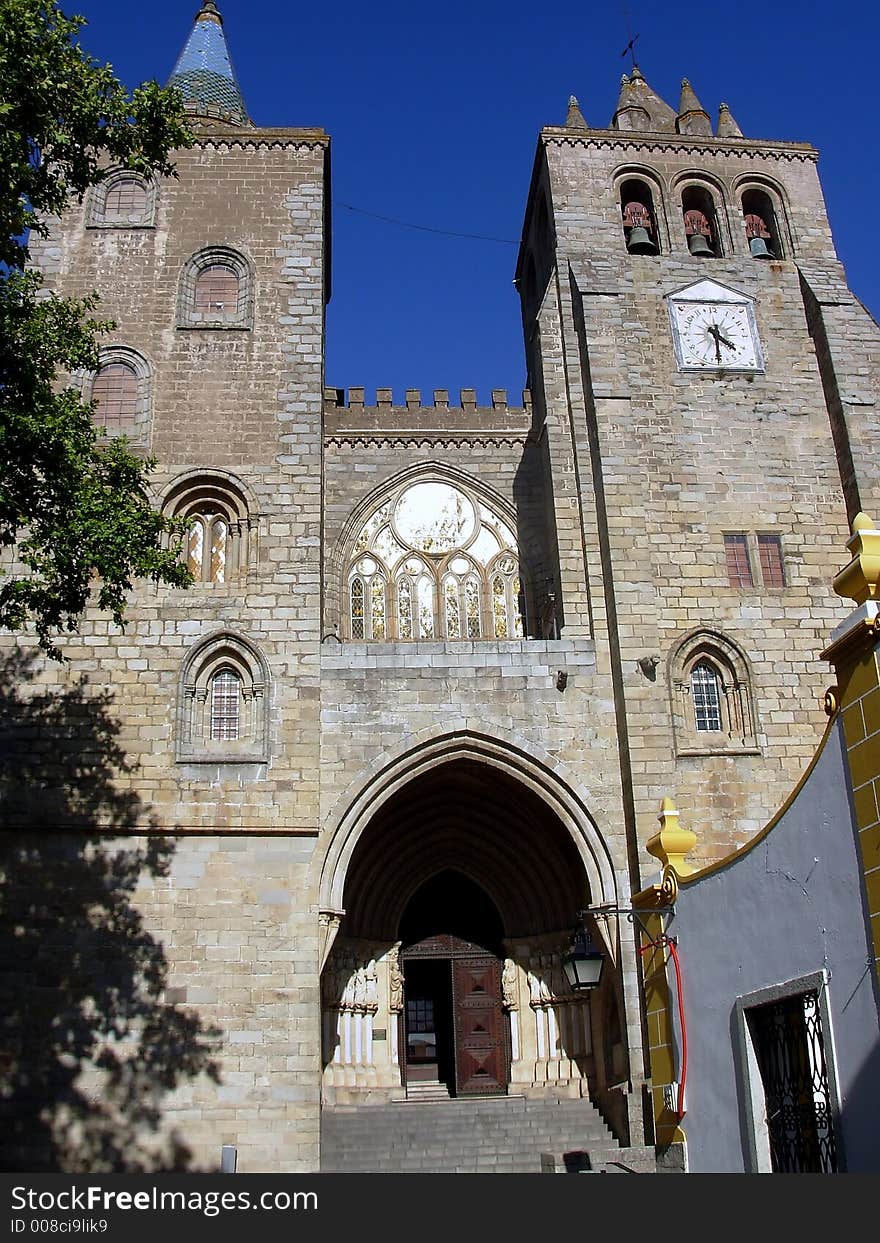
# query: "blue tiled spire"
{"points": [[204, 74]]}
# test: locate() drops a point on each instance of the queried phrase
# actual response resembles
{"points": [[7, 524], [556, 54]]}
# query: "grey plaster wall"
{"points": [[790, 906]]}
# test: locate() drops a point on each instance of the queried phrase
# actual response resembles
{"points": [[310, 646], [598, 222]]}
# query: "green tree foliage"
{"points": [[75, 516]]}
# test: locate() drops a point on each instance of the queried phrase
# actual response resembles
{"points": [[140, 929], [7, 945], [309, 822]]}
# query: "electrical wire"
{"points": [[424, 228]]}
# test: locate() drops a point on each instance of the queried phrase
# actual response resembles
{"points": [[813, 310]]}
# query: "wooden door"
{"points": [[480, 1053]]}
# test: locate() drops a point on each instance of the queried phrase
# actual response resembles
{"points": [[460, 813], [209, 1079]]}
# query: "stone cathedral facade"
{"points": [[443, 659]]}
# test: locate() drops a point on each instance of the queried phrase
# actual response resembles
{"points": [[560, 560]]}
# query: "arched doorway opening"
{"points": [[453, 1036], [465, 863]]}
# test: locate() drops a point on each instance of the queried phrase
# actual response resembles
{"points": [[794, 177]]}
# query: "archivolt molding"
{"points": [[547, 777]]}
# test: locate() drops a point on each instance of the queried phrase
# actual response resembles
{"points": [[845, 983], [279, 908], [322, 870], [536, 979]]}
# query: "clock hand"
{"points": [[715, 333]]}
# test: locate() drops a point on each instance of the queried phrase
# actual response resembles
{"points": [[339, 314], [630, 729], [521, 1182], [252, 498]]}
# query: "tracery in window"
{"points": [[434, 562], [711, 691], [220, 538]]}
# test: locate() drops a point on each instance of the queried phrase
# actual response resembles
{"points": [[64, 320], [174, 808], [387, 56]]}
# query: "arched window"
{"points": [[120, 389], [216, 290], [225, 705], [123, 200], [434, 562], [639, 219], [701, 222], [223, 715], [762, 228], [115, 394], [220, 537], [711, 691]]}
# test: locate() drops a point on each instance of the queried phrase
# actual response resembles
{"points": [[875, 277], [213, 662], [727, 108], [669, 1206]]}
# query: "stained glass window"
{"points": [[442, 564], [450, 597], [377, 607]]}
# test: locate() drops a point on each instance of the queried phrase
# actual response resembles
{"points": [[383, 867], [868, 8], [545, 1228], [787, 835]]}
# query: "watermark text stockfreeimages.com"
{"points": [[96, 1199]]}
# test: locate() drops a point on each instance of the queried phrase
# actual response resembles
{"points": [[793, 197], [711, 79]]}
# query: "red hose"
{"points": [[684, 1034]]}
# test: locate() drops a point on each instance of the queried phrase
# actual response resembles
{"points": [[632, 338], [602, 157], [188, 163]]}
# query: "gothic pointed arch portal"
{"points": [[459, 894]]}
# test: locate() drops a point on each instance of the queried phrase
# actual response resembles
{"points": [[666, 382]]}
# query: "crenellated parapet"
{"points": [[347, 416]]}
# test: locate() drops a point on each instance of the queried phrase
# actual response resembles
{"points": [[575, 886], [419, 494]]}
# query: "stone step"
{"points": [[501, 1134]]}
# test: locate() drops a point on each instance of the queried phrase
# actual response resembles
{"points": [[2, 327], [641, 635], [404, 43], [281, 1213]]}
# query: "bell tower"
{"points": [[701, 378]]}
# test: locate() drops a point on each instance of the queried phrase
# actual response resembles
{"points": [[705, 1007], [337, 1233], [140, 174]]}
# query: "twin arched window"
{"points": [[221, 531], [434, 562]]}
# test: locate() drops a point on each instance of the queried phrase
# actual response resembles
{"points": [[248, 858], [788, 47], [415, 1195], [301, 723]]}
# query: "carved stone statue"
{"points": [[509, 992]]}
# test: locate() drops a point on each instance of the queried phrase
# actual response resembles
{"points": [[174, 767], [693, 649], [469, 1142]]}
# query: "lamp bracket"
{"points": [[633, 916]]}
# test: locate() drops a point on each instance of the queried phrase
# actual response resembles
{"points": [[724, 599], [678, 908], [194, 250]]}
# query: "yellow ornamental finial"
{"points": [[673, 842], [860, 580]]}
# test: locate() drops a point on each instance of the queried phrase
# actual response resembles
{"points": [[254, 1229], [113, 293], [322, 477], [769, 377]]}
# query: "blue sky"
{"points": [[434, 114]]}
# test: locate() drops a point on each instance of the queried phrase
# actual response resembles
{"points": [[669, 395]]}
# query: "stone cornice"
{"points": [[611, 138], [414, 439], [254, 139]]}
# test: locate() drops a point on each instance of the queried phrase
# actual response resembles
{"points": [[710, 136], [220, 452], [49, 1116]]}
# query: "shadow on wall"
{"points": [[88, 1046]]}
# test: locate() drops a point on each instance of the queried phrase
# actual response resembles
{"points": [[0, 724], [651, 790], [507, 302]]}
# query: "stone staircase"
{"points": [[503, 1135]]}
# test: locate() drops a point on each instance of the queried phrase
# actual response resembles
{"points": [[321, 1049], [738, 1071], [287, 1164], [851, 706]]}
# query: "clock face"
{"points": [[716, 336]]}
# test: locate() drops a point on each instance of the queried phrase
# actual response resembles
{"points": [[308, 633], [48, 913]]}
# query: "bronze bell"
{"points": [[698, 245], [759, 249], [698, 231], [637, 220], [758, 235], [639, 242]]}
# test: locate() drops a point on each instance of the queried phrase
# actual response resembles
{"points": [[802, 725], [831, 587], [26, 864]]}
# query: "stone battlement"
{"points": [[335, 403]]}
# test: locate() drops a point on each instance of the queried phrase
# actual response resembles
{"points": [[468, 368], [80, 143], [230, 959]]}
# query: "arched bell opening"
{"points": [[762, 230], [460, 897], [701, 223], [638, 217]]}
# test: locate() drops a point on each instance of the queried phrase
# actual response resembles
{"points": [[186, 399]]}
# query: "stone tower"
{"points": [[442, 659], [703, 391]]}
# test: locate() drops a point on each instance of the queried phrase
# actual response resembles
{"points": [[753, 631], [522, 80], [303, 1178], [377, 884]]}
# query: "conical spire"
{"points": [[204, 74], [692, 116], [640, 108], [727, 126], [575, 118]]}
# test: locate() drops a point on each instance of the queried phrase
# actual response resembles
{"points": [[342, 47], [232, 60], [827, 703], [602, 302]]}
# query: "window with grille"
{"points": [[789, 1046], [216, 292], [770, 552], [116, 392], [122, 200], [125, 200], [223, 714], [739, 570], [225, 705], [706, 693]]}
